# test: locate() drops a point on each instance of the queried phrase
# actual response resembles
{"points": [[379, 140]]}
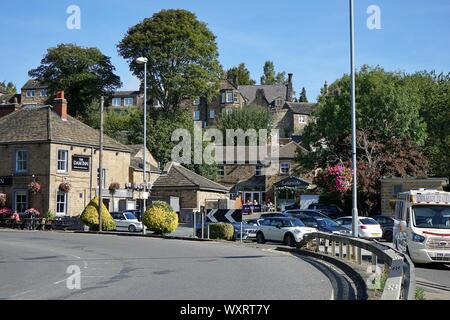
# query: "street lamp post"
{"points": [[144, 61], [355, 222]]}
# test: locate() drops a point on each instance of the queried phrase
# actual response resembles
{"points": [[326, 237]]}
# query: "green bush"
{"points": [[224, 231], [90, 216], [50, 215], [162, 205], [160, 220]]}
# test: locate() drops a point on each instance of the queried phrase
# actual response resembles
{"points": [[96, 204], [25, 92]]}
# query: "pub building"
{"points": [[43, 144]]}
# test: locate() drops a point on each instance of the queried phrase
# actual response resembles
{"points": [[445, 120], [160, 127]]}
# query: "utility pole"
{"points": [[100, 168], [355, 221]]}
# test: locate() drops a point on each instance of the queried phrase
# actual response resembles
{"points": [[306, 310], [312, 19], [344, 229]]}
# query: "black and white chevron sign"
{"points": [[216, 215]]}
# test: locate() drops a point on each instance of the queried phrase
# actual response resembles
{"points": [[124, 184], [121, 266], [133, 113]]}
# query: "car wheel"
{"points": [[131, 228], [289, 240], [388, 236], [260, 238]]}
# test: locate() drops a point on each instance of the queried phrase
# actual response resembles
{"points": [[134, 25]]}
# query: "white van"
{"points": [[422, 225]]}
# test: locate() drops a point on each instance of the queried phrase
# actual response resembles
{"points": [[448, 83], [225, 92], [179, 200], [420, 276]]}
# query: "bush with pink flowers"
{"points": [[32, 212]]}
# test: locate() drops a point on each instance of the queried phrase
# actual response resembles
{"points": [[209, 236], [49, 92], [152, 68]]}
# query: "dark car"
{"points": [[324, 225], [309, 213], [387, 225], [330, 210]]}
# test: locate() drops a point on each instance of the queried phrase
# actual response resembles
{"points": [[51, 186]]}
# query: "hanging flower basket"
{"points": [[113, 187], [34, 187], [64, 187], [2, 200], [32, 212]]}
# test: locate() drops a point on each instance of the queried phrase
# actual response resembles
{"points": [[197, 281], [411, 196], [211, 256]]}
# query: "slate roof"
{"points": [[289, 151], [178, 177], [271, 92], [138, 165], [39, 123], [125, 93], [34, 84], [301, 107]]}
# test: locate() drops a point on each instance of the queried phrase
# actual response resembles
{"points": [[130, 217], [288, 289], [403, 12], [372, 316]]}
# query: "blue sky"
{"points": [[306, 37]]}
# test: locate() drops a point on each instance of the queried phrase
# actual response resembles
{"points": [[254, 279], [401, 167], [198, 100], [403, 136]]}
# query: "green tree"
{"points": [[182, 56], [8, 88], [242, 74], [250, 117], [270, 77], [84, 74], [303, 97]]}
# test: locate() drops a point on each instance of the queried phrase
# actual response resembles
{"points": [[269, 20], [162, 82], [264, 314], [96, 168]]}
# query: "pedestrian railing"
{"points": [[399, 269]]}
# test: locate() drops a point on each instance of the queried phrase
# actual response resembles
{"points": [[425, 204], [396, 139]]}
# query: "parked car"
{"points": [[273, 215], [387, 225], [368, 227], [289, 231], [248, 230], [137, 213], [126, 221], [331, 210], [254, 222], [309, 213], [324, 225]]}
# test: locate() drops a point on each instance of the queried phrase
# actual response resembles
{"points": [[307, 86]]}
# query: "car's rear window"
{"points": [[368, 221]]}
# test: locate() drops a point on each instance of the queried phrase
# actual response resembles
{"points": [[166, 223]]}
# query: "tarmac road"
{"points": [[34, 265]]}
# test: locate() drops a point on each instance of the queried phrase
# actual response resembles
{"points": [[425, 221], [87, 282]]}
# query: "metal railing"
{"points": [[400, 282]]}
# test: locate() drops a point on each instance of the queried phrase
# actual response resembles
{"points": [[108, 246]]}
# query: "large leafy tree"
{"points": [[182, 56], [270, 77], [242, 74], [250, 117], [84, 74]]}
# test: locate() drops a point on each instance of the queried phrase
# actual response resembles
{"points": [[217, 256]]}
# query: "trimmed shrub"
{"points": [[223, 231], [162, 205], [90, 216], [159, 220]]}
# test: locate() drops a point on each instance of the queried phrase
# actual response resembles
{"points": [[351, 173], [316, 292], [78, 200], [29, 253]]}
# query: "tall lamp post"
{"points": [[144, 61], [355, 222]]}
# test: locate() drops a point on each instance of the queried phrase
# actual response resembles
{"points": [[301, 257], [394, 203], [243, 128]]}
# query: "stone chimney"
{"points": [[60, 105], [289, 88], [325, 88]]}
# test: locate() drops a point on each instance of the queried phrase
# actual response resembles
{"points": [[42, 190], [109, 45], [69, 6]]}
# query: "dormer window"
{"points": [[31, 93], [279, 102], [227, 97], [301, 120]]}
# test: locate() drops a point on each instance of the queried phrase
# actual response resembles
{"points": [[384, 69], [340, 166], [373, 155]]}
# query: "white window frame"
{"points": [[16, 160], [301, 119], [197, 115], [43, 92], [23, 193], [212, 114], [284, 166], [229, 96], [31, 93], [64, 194], [279, 102], [126, 101], [65, 161], [115, 104]]}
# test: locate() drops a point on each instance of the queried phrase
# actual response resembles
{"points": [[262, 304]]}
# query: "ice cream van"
{"points": [[422, 225]]}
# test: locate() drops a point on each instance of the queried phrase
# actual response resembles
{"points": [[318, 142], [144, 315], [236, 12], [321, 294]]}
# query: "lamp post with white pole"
{"points": [[355, 223], [144, 61]]}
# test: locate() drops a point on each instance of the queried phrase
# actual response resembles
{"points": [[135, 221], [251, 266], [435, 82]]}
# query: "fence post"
{"points": [[359, 255], [317, 244], [349, 251], [341, 253], [327, 243], [374, 262], [333, 248]]}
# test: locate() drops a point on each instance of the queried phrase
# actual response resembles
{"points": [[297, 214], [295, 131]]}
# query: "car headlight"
{"points": [[418, 238]]}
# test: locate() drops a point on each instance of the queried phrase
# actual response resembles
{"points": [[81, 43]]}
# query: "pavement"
{"points": [[40, 265]]}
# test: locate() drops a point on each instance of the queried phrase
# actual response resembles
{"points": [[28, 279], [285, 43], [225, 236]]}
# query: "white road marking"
{"points": [[21, 294]]}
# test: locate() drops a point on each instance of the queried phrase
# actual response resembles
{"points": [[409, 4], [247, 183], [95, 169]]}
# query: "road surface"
{"points": [[34, 265]]}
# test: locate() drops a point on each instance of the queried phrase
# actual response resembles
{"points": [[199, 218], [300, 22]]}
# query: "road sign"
{"points": [[216, 215]]}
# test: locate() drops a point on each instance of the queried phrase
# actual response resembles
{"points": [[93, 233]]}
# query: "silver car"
{"points": [[126, 221]]}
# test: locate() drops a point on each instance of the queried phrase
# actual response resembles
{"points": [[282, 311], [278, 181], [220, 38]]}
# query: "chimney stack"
{"points": [[289, 88], [60, 105], [325, 88]]}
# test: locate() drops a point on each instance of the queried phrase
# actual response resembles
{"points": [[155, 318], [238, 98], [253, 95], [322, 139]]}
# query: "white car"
{"points": [[126, 221], [368, 228], [290, 231]]}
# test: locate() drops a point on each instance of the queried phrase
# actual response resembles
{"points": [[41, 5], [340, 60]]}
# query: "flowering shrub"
{"points": [[2, 200], [338, 178], [32, 211], [64, 187], [34, 187], [113, 187], [6, 212]]}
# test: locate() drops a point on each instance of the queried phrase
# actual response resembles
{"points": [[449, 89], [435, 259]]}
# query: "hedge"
{"points": [[90, 216], [224, 231]]}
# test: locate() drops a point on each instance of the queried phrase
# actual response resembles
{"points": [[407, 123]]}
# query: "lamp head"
{"points": [[141, 60]]}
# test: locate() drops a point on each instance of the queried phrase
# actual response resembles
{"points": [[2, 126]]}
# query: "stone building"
{"points": [[192, 190], [391, 187], [123, 100], [44, 144], [34, 92]]}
